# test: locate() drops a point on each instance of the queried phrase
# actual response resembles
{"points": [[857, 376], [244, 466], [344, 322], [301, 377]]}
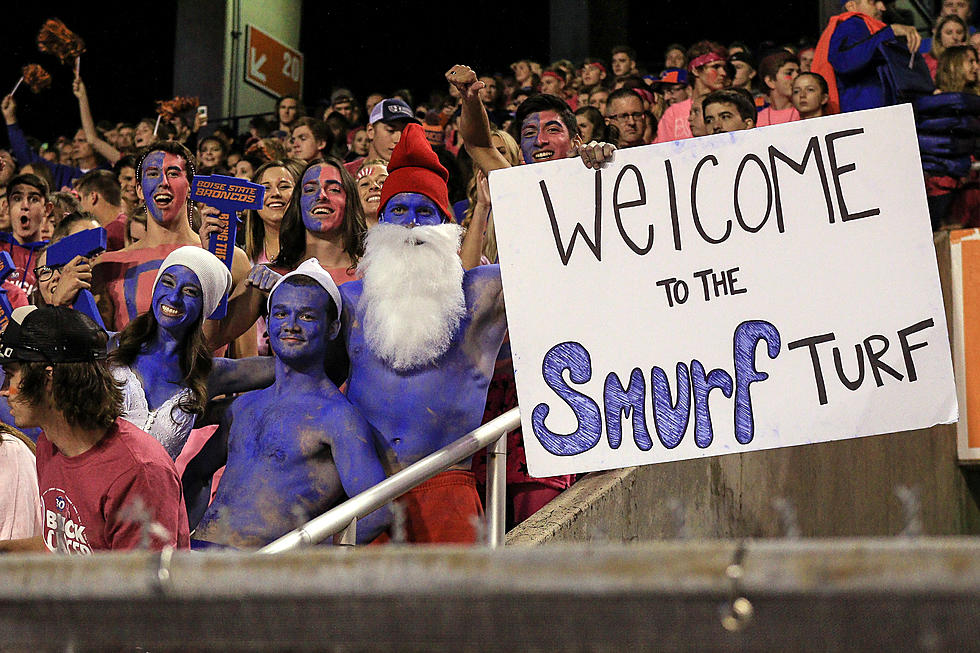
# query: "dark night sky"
{"points": [[383, 46]]}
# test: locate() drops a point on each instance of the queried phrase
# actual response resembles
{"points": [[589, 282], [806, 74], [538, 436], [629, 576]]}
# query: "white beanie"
{"points": [[211, 272], [311, 268]]}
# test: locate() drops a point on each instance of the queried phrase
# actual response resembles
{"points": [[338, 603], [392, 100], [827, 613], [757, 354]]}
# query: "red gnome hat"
{"points": [[415, 168]]}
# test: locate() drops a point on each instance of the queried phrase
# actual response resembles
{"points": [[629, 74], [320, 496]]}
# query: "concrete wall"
{"points": [[278, 18], [209, 58], [842, 488]]}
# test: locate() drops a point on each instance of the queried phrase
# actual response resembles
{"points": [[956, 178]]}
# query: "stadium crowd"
{"points": [[364, 326]]}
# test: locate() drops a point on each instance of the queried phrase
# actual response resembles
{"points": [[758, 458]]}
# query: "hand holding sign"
{"points": [[228, 195], [85, 244]]}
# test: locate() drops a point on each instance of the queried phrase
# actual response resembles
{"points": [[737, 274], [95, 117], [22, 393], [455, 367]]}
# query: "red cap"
{"points": [[415, 168]]}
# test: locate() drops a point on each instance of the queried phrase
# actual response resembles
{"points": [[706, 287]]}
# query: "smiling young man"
{"points": [[28, 206], [96, 471], [295, 449], [123, 281]]}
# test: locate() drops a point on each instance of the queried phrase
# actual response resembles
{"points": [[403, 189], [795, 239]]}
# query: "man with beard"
{"points": [[122, 281], [28, 202], [294, 449], [422, 336]]}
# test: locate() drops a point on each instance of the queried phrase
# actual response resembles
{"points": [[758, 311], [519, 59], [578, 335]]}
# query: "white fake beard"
{"points": [[413, 292]]}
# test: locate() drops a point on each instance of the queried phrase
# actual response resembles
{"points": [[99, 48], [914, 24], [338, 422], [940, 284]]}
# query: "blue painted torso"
{"points": [[417, 412]]}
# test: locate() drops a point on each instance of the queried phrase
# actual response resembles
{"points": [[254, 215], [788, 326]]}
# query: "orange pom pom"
{"points": [[168, 109], [36, 77], [55, 38]]}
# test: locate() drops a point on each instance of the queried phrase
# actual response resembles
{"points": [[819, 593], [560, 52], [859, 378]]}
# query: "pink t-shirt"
{"points": [[91, 492], [674, 125], [770, 116], [20, 502]]}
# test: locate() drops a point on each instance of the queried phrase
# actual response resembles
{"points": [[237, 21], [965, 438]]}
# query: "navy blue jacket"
{"points": [[853, 55]]}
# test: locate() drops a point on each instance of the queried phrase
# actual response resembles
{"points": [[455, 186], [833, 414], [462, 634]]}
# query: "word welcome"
{"points": [[630, 193]]}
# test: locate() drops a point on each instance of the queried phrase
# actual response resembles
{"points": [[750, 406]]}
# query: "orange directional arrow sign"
{"points": [[271, 65]]}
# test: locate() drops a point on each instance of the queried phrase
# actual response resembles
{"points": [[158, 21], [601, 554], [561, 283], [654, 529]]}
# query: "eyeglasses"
{"points": [[623, 117], [44, 272]]}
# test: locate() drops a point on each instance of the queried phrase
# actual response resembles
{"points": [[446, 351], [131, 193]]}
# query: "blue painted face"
{"points": [[178, 300], [411, 210], [298, 324], [323, 202]]}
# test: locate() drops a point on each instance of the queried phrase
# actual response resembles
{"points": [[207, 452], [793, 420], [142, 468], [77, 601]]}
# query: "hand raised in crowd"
{"points": [[910, 34], [73, 277], [262, 277], [200, 120], [482, 189], [595, 154], [9, 108], [464, 79], [78, 87]]}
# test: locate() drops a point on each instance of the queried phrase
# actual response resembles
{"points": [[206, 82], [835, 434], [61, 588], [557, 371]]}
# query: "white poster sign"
{"points": [[736, 292]]}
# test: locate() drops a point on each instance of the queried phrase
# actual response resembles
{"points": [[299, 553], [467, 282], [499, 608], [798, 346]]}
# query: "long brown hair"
{"points": [[513, 157], [194, 357], [949, 73], [292, 233], [254, 227]]}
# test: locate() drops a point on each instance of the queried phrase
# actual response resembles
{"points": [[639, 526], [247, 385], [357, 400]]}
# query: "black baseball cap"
{"points": [[51, 334]]}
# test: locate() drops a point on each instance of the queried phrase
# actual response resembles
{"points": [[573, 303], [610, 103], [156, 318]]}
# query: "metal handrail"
{"points": [[345, 515]]}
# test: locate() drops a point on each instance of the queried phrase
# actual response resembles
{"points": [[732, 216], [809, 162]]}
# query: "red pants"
{"points": [[442, 509]]}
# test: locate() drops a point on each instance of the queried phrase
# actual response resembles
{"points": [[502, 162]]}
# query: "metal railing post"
{"points": [[497, 492]]}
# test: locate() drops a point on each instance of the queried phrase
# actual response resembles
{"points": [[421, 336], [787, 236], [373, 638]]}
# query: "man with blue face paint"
{"points": [[422, 337], [122, 281], [295, 449]]}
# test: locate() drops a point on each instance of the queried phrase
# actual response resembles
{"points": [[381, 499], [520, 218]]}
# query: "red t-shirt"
{"points": [[115, 233], [93, 489], [24, 258], [126, 277]]}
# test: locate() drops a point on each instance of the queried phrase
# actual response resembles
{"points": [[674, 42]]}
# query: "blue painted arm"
{"points": [[240, 375], [359, 469]]}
